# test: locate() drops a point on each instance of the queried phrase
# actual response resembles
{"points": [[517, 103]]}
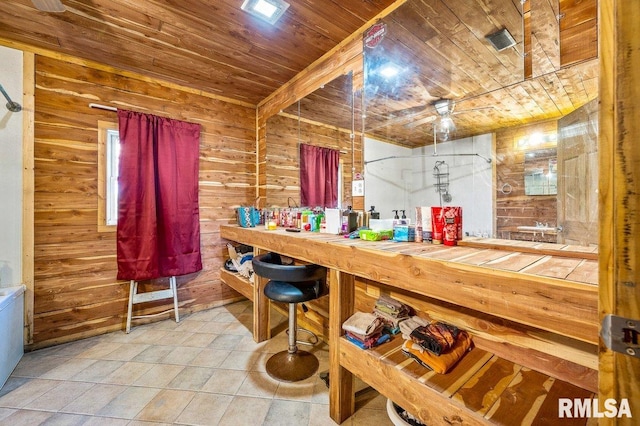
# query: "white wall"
{"points": [[387, 184], [470, 180], [10, 170], [405, 183]]}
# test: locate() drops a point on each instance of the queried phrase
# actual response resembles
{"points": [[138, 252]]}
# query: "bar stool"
{"points": [[290, 284]]}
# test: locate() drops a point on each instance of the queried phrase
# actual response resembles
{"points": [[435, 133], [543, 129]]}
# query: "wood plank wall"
{"points": [[515, 208], [283, 163], [76, 291]]}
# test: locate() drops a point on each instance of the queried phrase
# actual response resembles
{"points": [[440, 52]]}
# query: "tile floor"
{"points": [[205, 370]]}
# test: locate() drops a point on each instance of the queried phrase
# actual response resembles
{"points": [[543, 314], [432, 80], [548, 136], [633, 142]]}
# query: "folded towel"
{"points": [[443, 363], [392, 307], [387, 319], [368, 338], [362, 323], [410, 324], [369, 343], [437, 337]]}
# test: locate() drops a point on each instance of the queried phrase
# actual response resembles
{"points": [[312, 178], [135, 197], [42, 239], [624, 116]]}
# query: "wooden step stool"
{"points": [[135, 298]]}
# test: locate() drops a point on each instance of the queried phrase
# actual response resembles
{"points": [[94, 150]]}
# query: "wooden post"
{"points": [[261, 307], [28, 190], [619, 291], [341, 302]]}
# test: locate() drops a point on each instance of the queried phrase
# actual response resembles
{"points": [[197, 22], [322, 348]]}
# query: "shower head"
{"points": [[11, 105], [14, 106]]}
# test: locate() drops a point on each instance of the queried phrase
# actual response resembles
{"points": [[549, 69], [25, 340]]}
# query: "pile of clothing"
{"points": [[391, 312], [365, 330], [240, 260], [434, 344]]}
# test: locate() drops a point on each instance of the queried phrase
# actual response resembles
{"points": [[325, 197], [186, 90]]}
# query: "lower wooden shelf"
{"points": [[481, 389], [237, 282]]}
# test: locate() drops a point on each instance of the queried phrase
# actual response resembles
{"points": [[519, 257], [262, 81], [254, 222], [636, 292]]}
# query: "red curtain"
{"points": [[158, 213], [319, 176]]}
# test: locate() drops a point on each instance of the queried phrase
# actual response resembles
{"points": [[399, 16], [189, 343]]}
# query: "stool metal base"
{"points": [[292, 367], [313, 337]]}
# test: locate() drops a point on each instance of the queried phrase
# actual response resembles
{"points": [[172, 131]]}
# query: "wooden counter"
{"points": [[538, 309], [550, 292]]}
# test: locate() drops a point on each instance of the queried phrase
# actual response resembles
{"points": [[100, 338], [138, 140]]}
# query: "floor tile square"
{"points": [[205, 409], [288, 412], [238, 414], [191, 378], [258, 384], [166, 406], [128, 403], [225, 381], [58, 397], [94, 399]]}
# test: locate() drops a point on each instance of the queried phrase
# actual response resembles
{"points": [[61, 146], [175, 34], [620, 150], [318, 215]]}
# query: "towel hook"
{"points": [[11, 106]]}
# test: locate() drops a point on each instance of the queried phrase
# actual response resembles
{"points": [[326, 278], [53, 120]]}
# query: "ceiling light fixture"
{"points": [[267, 10], [501, 40], [444, 106], [444, 126]]}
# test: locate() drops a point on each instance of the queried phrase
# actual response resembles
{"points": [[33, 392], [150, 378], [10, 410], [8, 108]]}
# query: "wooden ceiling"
{"points": [[440, 45], [210, 45], [443, 53]]}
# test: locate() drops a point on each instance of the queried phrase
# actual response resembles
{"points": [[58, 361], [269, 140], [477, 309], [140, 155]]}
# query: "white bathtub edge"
{"points": [[8, 294]]}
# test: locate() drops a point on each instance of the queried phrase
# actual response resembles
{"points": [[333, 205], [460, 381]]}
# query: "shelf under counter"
{"points": [[237, 282], [481, 389]]}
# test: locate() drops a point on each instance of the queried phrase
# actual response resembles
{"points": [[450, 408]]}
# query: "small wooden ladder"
{"points": [[135, 298]]}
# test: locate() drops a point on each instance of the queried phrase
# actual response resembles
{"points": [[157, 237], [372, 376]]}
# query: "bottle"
{"points": [[352, 219], [266, 218], [419, 237], [344, 222], [396, 218], [373, 214]]}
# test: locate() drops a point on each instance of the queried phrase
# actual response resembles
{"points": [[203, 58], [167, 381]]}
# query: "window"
{"points": [[108, 156]]}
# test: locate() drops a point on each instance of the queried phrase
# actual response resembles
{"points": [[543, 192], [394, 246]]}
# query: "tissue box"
{"points": [[381, 224], [333, 221], [404, 233]]}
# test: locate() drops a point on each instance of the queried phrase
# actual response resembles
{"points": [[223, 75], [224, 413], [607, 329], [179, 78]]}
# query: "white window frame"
{"points": [[113, 155], [108, 154]]}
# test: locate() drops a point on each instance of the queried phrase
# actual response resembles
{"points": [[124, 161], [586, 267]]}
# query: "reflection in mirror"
{"points": [[541, 172], [406, 179], [441, 56], [435, 51], [325, 118]]}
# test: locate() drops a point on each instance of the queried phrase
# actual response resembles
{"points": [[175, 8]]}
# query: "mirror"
{"points": [[421, 71], [541, 172], [323, 118]]}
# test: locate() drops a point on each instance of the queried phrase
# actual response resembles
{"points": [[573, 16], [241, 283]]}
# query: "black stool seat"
{"points": [[270, 266], [282, 291]]}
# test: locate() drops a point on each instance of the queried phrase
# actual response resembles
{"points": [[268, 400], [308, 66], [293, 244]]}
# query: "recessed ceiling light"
{"points": [[267, 10]]}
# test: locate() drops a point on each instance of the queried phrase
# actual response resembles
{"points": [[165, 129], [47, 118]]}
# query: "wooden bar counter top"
{"points": [[552, 292], [531, 307]]}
